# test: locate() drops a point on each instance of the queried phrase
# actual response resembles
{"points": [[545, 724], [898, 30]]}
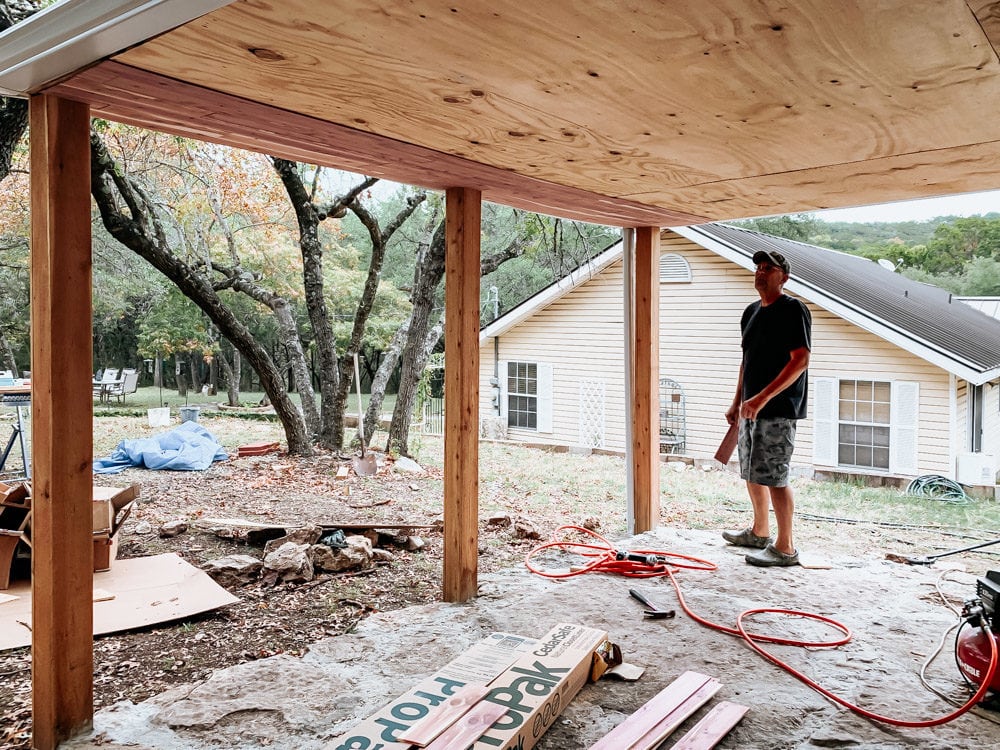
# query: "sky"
{"points": [[968, 204]]}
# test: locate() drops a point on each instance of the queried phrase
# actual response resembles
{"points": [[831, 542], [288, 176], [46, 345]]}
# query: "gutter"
{"points": [[74, 34]]}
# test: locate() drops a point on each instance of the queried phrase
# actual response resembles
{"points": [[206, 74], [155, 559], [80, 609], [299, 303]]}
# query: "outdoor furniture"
{"points": [[15, 514], [122, 387], [108, 379]]}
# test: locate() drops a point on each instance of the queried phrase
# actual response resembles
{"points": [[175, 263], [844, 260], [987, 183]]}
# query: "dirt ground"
{"points": [[294, 665]]}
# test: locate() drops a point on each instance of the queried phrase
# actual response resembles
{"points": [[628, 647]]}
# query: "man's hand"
{"points": [[750, 408], [733, 413]]}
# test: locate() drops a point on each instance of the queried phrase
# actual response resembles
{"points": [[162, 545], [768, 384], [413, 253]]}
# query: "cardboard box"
{"points": [[479, 665], [108, 501], [105, 551], [537, 688], [537, 681]]}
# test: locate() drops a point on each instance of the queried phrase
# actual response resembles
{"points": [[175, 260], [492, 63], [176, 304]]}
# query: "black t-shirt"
{"points": [[770, 334]]}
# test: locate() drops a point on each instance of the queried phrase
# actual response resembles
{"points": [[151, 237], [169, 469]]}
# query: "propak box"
{"points": [[537, 682]]}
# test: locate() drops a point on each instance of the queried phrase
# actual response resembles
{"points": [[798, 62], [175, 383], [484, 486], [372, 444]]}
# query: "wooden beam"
{"points": [[645, 381], [463, 215], [62, 663]]}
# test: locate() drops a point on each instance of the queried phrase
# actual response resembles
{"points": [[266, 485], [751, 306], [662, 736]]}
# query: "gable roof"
{"points": [[925, 320]]}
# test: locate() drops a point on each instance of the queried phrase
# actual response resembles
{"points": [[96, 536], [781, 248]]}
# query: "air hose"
{"points": [[602, 557]]}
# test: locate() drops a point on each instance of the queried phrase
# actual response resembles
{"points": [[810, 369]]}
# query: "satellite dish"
{"points": [[887, 264]]}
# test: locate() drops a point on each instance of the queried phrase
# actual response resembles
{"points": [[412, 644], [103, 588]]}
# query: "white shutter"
{"points": [[503, 391], [904, 416], [826, 437], [544, 421]]}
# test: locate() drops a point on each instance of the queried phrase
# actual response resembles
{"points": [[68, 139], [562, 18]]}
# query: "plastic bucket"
{"points": [[189, 413]]}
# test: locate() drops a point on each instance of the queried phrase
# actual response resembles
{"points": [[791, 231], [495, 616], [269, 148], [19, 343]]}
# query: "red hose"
{"points": [[604, 558]]}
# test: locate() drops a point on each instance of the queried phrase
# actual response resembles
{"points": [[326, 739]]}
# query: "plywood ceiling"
{"points": [[621, 111]]}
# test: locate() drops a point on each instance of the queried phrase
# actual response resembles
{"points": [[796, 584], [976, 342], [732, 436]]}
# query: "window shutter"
{"points": [[825, 416], [544, 421], [904, 416], [503, 390]]}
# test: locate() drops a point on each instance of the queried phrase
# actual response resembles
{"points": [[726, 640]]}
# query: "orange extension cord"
{"points": [[602, 557]]}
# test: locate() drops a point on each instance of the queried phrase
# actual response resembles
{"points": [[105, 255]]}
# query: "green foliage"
{"points": [[174, 325], [799, 227]]}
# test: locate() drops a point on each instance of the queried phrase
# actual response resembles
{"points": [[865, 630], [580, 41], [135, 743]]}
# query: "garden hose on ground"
{"points": [[937, 486], [602, 557]]}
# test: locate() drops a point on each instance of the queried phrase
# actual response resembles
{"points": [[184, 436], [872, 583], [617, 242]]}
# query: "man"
{"points": [[770, 397]]}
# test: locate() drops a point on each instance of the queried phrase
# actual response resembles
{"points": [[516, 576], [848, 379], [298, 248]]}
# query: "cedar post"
{"points": [[645, 385], [463, 212], [62, 663]]}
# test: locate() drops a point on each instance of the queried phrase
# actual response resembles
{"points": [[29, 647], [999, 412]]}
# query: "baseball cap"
{"points": [[775, 259]]}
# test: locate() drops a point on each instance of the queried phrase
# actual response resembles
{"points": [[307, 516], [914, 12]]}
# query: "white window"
{"points": [[526, 395], [866, 424]]}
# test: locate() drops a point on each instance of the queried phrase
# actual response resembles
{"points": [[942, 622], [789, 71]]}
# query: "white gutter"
{"points": [[947, 361], [73, 34]]}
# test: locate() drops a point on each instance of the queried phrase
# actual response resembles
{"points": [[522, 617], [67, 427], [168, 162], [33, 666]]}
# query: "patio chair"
{"points": [[15, 515], [108, 378], [129, 383]]}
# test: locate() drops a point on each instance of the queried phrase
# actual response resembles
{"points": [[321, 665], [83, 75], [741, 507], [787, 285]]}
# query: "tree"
{"points": [[798, 227], [130, 215]]}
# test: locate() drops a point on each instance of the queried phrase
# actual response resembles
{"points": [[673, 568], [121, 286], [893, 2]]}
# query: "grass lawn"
{"points": [[149, 397]]}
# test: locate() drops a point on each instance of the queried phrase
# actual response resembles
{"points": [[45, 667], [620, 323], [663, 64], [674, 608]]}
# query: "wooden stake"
{"points": [[645, 395], [715, 725]]}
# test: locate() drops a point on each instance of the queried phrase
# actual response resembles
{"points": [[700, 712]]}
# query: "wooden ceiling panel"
{"points": [[714, 108]]}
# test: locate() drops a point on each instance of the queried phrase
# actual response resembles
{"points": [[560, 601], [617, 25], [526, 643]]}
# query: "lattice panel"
{"points": [[592, 413]]}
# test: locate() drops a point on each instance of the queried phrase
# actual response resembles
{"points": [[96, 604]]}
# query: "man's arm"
{"points": [[733, 412], [798, 362]]}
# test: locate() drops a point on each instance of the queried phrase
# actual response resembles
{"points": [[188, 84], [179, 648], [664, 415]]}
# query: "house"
{"points": [[903, 376]]}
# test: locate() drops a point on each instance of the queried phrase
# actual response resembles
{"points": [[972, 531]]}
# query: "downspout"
{"points": [[496, 372], [628, 258]]}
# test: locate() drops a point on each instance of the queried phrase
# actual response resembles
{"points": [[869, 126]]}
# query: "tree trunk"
{"points": [[179, 376], [8, 354], [140, 231], [195, 363], [426, 277], [389, 360], [213, 376], [232, 375]]}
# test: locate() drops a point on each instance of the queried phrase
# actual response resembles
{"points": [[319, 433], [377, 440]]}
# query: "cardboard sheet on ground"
{"points": [[145, 591]]}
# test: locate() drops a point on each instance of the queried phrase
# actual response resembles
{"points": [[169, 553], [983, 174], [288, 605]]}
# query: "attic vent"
{"points": [[674, 269]]}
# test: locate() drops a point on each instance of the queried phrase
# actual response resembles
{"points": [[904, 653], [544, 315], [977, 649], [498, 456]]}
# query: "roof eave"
{"points": [[73, 34]]}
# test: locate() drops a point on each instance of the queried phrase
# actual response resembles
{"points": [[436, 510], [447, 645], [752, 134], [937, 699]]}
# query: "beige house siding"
{"points": [[581, 333]]}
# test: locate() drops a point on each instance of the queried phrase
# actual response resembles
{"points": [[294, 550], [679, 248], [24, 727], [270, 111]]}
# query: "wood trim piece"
{"points": [[715, 725], [637, 725], [443, 716], [470, 727], [126, 94], [463, 216], [62, 662], [665, 726], [645, 396]]}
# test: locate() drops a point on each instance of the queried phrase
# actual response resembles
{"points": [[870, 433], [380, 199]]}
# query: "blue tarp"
{"points": [[189, 447]]}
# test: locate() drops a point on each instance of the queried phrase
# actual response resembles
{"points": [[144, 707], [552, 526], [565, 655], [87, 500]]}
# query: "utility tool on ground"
{"points": [[972, 644], [654, 611], [928, 559], [365, 464]]}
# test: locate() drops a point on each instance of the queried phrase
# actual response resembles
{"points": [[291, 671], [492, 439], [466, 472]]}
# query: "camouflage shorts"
{"points": [[765, 448]]}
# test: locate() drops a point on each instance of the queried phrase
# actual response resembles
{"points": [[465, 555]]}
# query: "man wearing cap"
{"points": [[770, 397]]}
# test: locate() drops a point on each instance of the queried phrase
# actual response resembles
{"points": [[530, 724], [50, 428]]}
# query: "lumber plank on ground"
{"points": [[470, 727], [673, 719], [443, 716], [649, 715], [715, 725]]}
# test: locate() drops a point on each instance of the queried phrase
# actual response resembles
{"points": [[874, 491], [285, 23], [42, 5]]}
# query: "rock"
{"points": [[290, 562], [307, 535], [438, 522], [523, 529], [406, 465], [414, 544], [591, 523], [143, 527], [357, 554], [173, 528], [499, 520], [233, 570], [382, 555]]}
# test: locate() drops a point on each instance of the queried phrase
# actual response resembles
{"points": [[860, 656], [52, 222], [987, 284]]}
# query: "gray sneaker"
{"points": [[769, 557], [746, 538]]}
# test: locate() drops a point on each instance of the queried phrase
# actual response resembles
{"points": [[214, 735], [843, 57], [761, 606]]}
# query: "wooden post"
{"points": [[461, 394], [645, 385], [62, 663]]}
